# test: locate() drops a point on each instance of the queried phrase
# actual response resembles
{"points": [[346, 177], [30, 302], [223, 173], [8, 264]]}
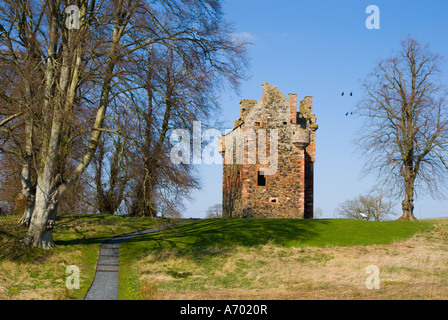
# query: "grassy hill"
{"points": [[229, 258], [282, 232], [186, 258]]}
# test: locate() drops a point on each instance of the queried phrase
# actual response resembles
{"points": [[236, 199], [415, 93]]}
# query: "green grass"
{"points": [[281, 232], [77, 239], [201, 240]]}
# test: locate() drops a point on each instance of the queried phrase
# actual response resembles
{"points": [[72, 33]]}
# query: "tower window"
{"points": [[261, 179], [257, 123]]}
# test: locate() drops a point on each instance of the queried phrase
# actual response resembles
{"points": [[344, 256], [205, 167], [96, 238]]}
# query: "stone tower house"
{"points": [[269, 158]]}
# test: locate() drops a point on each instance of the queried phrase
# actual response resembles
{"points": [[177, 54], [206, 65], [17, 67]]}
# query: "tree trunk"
{"points": [[27, 214], [28, 192], [408, 203], [42, 221], [143, 204], [50, 186], [40, 232]]}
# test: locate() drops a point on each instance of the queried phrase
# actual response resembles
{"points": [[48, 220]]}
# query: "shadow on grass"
{"points": [[85, 240], [77, 235], [201, 238]]}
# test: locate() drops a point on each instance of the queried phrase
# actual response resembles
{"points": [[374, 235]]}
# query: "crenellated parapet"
{"points": [[284, 187]]}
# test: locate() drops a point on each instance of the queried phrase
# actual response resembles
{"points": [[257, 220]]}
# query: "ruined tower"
{"points": [[269, 158]]}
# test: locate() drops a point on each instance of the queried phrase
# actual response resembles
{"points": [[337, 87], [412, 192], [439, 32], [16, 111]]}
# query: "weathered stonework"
{"points": [[262, 189]]}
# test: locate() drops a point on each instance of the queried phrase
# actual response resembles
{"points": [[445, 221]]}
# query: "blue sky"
{"points": [[320, 48]]}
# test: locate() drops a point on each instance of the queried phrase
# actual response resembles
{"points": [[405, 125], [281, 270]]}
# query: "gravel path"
{"points": [[105, 283]]}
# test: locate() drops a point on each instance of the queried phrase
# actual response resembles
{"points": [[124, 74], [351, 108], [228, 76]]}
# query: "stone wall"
{"points": [[288, 189]]}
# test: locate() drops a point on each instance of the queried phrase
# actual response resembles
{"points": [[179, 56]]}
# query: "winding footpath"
{"points": [[105, 283]]}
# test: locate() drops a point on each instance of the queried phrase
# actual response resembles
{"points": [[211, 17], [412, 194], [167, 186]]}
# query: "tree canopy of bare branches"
{"points": [[405, 134], [372, 206], [214, 211], [65, 76]]}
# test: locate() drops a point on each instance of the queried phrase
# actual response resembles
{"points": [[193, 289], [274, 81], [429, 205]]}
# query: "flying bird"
{"points": [[346, 114], [351, 94], [342, 94], [363, 215]]}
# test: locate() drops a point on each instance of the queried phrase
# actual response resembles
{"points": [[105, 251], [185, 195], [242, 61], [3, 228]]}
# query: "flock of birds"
{"points": [[351, 95], [363, 215]]}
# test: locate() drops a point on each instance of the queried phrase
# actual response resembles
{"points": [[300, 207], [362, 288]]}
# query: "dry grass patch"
{"points": [[36, 274], [413, 269], [20, 280]]}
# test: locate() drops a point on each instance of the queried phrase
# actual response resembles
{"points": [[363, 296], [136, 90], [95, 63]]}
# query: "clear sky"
{"points": [[321, 48]]}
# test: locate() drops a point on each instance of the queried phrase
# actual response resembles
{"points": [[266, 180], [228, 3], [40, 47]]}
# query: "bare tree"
{"points": [[71, 77], [318, 213], [112, 166], [367, 207], [178, 85], [405, 134], [20, 96], [214, 211]]}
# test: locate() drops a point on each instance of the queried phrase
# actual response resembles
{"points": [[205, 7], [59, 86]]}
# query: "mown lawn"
{"points": [[282, 232], [30, 273], [179, 253]]}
